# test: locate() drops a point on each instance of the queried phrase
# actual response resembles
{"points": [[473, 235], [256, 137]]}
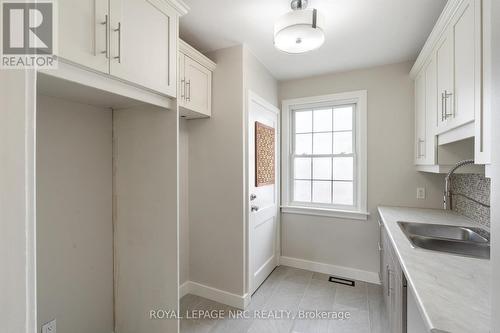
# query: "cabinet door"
{"points": [[445, 65], [420, 119], [83, 33], [144, 44], [181, 89], [397, 300], [198, 87], [386, 271], [431, 112], [467, 63]]}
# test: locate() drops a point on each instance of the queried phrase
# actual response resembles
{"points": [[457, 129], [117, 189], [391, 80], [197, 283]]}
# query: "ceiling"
{"points": [[359, 33]]}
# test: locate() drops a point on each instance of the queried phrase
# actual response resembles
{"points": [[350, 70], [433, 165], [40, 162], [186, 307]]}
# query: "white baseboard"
{"points": [[184, 289], [214, 294], [340, 271]]}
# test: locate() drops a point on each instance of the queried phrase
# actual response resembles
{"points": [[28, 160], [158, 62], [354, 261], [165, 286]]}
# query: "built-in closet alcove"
{"points": [[106, 209]]}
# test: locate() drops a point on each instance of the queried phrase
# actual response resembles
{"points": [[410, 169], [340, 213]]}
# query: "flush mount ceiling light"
{"points": [[300, 30]]}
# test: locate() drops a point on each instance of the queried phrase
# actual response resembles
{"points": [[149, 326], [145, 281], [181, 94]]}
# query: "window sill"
{"points": [[313, 211]]}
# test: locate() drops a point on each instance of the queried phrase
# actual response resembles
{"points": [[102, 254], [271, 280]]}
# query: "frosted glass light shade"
{"points": [[299, 31]]}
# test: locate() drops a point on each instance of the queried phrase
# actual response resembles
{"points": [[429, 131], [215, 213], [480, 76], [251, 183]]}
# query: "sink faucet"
{"points": [[447, 199]]}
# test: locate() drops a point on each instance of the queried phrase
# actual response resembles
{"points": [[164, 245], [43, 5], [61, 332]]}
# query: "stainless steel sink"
{"points": [[443, 231], [464, 241]]}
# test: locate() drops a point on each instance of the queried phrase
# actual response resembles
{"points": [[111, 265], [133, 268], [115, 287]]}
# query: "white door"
{"points": [[83, 33], [143, 39], [263, 200]]}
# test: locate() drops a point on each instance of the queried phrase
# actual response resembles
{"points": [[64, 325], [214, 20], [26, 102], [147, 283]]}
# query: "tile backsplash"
{"points": [[469, 192]]}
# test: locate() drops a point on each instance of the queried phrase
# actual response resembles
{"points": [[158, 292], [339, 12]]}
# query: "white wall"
{"points": [[74, 216], [216, 188], [392, 179], [217, 173], [495, 181], [146, 218], [183, 201], [17, 194], [258, 79]]}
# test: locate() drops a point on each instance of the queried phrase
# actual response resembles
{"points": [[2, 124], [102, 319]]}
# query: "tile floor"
{"points": [[296, 290]]}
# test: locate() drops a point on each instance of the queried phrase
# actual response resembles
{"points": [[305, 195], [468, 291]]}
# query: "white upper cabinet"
{"points": [[83, 35], [467, 62], [431, 112], [143, 35], [195, 82], [132, 40], [459, 67], [451, 65], [198, 92], [420, 119], [444, 55], [426, 121]]}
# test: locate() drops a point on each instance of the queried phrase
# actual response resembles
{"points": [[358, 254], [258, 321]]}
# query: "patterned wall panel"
{"points": [[264, 155]]}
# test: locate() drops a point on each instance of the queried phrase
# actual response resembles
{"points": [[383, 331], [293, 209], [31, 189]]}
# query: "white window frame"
{"points": [[359, 210]]}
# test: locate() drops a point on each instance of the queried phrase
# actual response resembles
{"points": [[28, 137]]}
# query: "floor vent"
{"points": [[345, 282]]}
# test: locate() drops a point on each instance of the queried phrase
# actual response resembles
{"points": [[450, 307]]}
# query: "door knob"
{"points": [[253, 197], [254, 208]]}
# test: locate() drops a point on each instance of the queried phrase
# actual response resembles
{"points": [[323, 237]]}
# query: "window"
{"points": [[324, 154]]}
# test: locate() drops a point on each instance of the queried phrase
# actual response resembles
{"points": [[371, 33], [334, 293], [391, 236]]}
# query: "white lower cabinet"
{"points": [[393, 285], [195, 82]]}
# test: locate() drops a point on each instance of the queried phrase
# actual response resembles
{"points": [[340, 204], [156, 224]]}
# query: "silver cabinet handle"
{"points": [[106, 23], [188, 92], [442, 107], [119, 30], [254, 208], [183, 88], [420, 153], [253, 197]]}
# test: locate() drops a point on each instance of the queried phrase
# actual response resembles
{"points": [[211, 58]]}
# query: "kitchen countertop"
{"points": [[452, 292]]}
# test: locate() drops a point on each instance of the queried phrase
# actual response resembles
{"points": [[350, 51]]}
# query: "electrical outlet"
{"points": [[421, 193], [49, 327]]}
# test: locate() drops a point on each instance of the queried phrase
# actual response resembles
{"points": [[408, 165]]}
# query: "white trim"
{"points": [[196, 55], [437, 32], [184, 289], [180, 6], [456, 134], [444, 169], [360, 98], [343, 214], [340, 271], [214, 294], [75, 73], [252, 96]]}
